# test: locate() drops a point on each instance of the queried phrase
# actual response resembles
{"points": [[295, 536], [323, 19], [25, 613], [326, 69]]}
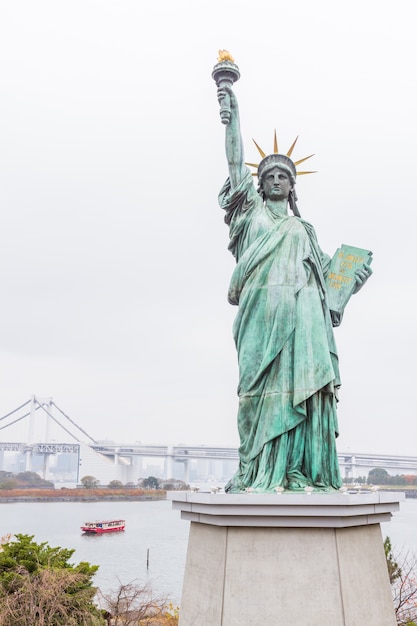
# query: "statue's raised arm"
{"points": [[225, 73], [234, 143]]}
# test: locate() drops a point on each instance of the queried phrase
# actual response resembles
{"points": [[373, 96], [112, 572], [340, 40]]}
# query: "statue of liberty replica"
{"points": [[285, 545], [283, 331]]}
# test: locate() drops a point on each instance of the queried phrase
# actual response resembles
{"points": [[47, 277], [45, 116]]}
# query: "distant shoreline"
{"points": [[109, 495], [79, 495]]}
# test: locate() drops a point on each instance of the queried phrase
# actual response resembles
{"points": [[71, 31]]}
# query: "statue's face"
{"points": [[276, 184]]}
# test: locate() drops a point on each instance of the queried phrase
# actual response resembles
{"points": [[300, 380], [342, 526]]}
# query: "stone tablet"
{"points": [[340, 280]]}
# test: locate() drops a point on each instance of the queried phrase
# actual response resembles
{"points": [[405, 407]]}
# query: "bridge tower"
{"points": [[37, 402]]}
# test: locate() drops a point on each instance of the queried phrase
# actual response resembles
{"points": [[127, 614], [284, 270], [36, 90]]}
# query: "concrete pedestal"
{"points": [[289, 559]]}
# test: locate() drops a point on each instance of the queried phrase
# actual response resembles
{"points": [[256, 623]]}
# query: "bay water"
{"points": [[151, 550], [153, 547]]}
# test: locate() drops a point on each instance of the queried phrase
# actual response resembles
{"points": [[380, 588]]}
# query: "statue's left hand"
{"points": [[361, 276]]}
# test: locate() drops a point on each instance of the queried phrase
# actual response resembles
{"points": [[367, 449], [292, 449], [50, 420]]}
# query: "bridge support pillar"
{"points": [[354, 468], [169, 462], [28, 459], [287, 559], [45, 473], [187, 471]]}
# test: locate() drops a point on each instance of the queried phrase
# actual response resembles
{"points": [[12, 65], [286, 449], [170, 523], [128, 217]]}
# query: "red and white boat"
{"points": [[107, 526]]}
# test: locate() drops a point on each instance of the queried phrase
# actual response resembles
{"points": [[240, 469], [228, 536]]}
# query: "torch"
{"points": [[225, 73]]}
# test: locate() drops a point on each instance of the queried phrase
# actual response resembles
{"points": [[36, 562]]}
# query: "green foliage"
{"points": [[23, 480], [150, 483], [359, 480], [9, 483], [89, 482], [31, 555], [38, 585], [380, 476], [394, 570], [172, 484], [115, 484]]}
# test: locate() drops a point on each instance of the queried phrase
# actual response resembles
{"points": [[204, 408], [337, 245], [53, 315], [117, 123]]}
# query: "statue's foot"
{"points": [[297, 481], [235, 486], [297, 485]]}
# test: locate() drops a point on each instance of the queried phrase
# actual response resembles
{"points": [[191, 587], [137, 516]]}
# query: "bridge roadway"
{"points": [[39, 448], [352, 464], [397, 464]]}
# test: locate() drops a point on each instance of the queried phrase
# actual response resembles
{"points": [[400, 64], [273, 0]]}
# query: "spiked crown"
{"points": [[277, 159]]}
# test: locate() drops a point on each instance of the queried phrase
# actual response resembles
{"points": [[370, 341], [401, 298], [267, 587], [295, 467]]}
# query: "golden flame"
{"points": [[224, 55]]}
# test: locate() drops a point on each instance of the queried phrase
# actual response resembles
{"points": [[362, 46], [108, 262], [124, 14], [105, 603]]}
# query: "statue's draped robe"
{"points": [[288, 366]]}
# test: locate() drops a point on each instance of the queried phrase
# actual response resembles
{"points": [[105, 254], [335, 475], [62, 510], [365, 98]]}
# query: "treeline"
{"points": [[23, 480], [151, 482], [31, 480], [380, 476]]}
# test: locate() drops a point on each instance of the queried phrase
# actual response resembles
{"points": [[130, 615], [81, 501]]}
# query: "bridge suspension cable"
{"points": [[40, 405], [72, 422], [19, 418], [14, 411]]}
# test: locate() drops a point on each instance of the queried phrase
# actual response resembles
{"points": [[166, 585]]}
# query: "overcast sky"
{"points": [[114, 265]]}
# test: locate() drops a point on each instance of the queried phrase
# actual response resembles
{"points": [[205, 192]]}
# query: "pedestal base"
{"points": [[260, 560]]}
